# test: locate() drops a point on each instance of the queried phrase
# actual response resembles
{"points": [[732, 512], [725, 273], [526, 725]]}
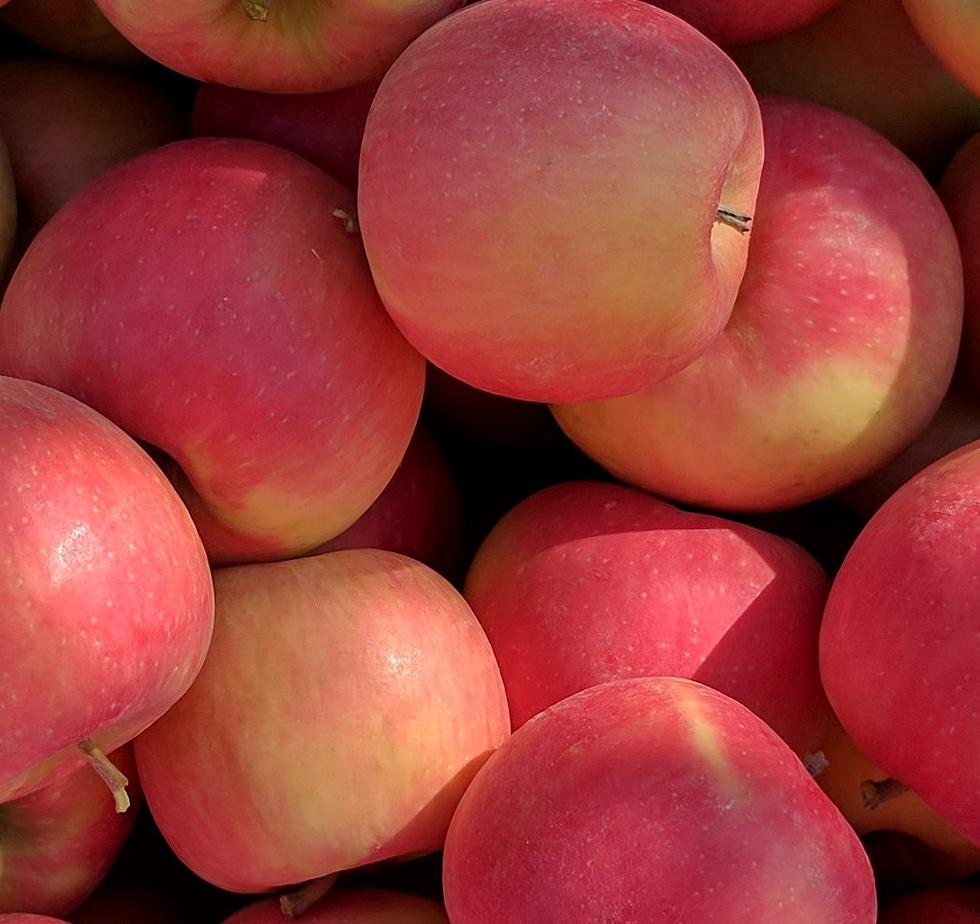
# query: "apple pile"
{"points": [[509, 461]]}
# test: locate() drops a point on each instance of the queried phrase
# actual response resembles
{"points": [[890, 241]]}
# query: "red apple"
{"points": [[71, 28], [960, 191], [588, 582], [900, 640], [271, 46], [346, 702], [949, 905], [735, 22], [951, 28], [67, 123], [839, 350], [326, 128], [418, 513], [865, 58], [354, 906], [656, 800], [540, 187], [205, 298], [59, 842], [106, 603]]}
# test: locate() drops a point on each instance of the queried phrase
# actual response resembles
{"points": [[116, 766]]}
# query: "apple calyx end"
{"points": [[109, 773], [256, 10], [878, 792], [293, 904], [734, 218]]}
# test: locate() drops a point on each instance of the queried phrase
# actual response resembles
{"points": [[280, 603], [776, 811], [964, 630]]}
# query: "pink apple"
{"points": [[588, 582], [735, 22], [418, 513], [354, 906], [865, 58], [67, 123], [960, 191], [656, 800], [106, 604], [839, 350], [72, 29], [326, 128], [346, 702], [900, 641], [951, 28], [205, 298], [59, 842], [272, 46], [950, 905], [539, 195]]}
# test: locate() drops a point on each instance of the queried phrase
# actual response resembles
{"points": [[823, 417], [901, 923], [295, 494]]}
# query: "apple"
{"points": [[205, 298], [105, 593], [345, 704], [418, 514], [546, 193], [351, 906], [932, 850], [736, 22], [960, 192], [268, 46], [865, 58], [326, 128], [58, 842], [949, 905], [900, 640], [72, 29], [66, 123], [653, 799], [586, 582], [840, 347], [29, 919], [951, 28]]}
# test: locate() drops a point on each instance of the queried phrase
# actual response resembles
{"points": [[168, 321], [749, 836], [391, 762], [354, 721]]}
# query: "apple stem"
{"points": [[349, 220], [878, 792], [293, 904], [734, 218], [110, 774], [257, 10]]}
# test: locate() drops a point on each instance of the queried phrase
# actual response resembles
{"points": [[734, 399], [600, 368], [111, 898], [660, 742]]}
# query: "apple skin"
{"points": [[106, 579], [58, 843], [356, 671], [900, 640], [241, 355], [585, 582], [512, 160], [933, 850], [325, 128], [71, 29], [948, 905], [66, 123], [352, 906], [736, 22], [567, 820], [951, 28], [29, 919], [419, 513], [960, 192], [299, 49], [841, 345], [865, 58]]}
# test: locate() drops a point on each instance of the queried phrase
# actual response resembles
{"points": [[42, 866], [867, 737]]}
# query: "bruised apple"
{"points": [[656, 800], [552, 196]]}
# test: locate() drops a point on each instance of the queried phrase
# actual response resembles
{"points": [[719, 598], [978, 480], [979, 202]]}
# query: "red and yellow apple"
{"points": [[544, 190]]}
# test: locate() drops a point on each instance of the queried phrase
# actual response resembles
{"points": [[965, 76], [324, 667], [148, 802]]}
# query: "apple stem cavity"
{"points": [[878, 792], [109, 772], [734, 218], [293, 904], [257, 10]]}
